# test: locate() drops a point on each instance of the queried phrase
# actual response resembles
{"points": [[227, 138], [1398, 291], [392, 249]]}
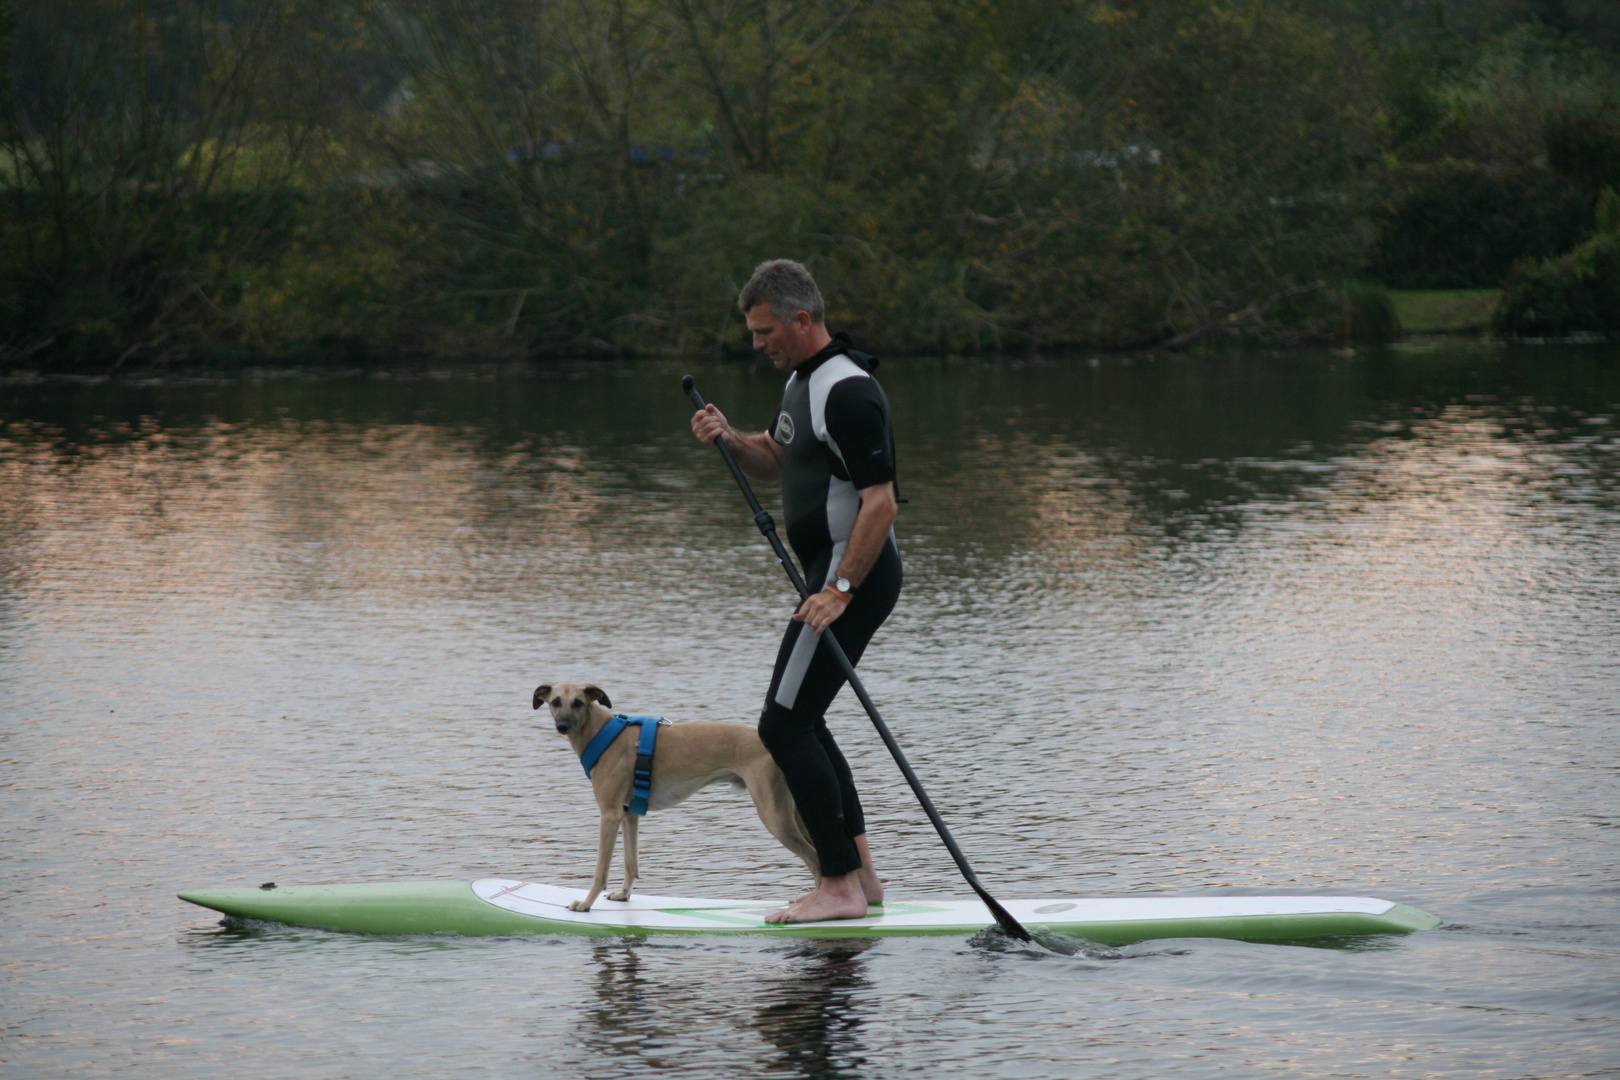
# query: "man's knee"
{"points": [[777, 727]]}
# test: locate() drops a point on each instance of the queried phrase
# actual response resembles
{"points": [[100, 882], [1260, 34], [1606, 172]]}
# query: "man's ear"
{"points": [[541, 692], [596, 695]]}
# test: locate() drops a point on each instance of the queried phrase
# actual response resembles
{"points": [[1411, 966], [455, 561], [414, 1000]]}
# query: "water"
{"points": [[1305, 623]]}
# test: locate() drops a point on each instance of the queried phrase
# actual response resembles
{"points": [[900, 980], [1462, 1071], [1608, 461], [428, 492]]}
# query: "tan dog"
{"points": [[688, 757]]}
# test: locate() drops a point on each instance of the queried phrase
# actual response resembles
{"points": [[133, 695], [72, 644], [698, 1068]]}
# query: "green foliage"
{"points": [[147, 148], [1608, 213], [1366, 315], [1501, 151], [1583, 141], [1572, 294], [1461, 224], [511, 178], [1575, 293]]}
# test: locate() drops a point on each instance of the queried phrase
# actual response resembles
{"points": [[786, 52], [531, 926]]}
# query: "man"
{"points": [[831, 446]]}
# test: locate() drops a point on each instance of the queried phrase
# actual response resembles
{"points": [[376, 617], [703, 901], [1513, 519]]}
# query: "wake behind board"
{"points": [[500, 906]]}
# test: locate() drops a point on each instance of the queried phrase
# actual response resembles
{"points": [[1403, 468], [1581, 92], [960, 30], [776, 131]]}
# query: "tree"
{"points": [[148, 148]]}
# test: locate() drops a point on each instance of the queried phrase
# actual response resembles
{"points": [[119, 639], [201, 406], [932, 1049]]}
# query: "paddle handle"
{"points": [[762, 519], [767, 527]]}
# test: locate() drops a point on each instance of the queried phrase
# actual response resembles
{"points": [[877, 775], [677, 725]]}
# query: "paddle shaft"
{"points": [[767, 526]]}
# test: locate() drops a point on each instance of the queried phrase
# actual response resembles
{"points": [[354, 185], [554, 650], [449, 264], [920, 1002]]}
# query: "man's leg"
{"points": [[793, 728], [818, 776], [854, 815]]}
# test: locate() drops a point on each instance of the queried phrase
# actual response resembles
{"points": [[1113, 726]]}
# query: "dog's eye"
{"points": [[556, 702], [578, 704]]}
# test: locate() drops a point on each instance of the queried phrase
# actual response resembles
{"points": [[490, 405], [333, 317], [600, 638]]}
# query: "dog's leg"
{"points": [[605, 836], [774, 804], [632, 868]]}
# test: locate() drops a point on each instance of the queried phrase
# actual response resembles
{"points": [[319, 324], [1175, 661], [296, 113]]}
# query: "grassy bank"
{"points": [[1444, 311]]}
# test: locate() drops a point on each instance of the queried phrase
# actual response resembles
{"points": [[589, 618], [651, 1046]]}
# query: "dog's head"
{"points": [[570, 703]]}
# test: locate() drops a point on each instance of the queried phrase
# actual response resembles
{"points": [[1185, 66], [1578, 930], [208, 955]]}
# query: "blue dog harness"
{"points": [[641, 780]]}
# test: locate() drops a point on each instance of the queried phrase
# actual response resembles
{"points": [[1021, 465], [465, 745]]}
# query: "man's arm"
{"points": [[759, 455], [872, 523]]}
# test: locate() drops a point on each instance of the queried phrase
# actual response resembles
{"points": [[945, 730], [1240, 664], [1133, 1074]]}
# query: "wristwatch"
{"points": [[843, 588]]}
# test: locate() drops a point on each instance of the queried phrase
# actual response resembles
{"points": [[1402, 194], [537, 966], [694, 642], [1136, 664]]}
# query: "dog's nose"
{"points": [[562, 729]]}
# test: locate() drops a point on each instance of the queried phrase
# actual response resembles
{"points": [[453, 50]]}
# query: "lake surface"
{"points": [[1301, 622]]}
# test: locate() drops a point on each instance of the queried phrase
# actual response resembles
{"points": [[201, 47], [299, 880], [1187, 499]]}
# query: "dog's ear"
{"points": [[541, 692], [596, 695]]}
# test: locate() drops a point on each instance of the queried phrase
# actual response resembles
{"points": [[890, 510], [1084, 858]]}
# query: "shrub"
{"points": [[1366, 315], [1572, 294], [1461, 224]]}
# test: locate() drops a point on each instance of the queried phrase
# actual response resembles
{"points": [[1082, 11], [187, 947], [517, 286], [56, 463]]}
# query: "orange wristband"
{"points": [[841, 594]]}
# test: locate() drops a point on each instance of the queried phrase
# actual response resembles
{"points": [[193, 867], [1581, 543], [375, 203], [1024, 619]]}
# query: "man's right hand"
{"points": [[757, 454], [709, 424]]}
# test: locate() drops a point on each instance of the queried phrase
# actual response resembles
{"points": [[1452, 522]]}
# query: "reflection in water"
{"points": [[813, 1016], [646, 1014], [625, 1024]]}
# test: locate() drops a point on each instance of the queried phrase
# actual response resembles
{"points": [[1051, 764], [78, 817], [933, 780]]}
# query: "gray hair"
{"points": [[786, 287]]}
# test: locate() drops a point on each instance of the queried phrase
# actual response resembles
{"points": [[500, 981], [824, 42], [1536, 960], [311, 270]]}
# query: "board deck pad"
{"points": [[670, 913], [493, 906]]}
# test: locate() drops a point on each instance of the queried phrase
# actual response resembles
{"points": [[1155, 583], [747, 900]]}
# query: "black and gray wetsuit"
{"points": [[836, 439]]}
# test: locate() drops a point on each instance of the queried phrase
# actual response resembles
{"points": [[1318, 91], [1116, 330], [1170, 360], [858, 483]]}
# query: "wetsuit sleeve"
{"points": [[858, 421]]}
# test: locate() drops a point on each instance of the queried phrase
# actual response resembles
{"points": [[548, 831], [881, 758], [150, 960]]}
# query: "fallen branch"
{"points": [[139, 345], [1253, 311]]}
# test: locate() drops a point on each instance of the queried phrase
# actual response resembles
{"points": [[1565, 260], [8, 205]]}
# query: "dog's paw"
{"points": [[621, 896], [579, 905]]}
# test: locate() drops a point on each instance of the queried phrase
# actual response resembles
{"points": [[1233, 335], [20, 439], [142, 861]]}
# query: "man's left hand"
{"points": [[820, 610]]}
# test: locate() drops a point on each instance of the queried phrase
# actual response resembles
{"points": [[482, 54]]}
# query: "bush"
{"points": [[1583, 142], [1572, 294], [1366, 315], [1461, 224]]}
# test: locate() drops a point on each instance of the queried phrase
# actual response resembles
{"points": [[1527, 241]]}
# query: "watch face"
{"points": [[842, 584]]}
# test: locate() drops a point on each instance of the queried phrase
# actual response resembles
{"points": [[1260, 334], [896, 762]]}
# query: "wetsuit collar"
{"points": [[840, 345]]}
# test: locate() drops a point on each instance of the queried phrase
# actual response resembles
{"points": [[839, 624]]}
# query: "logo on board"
{"points": [[784, 428]]}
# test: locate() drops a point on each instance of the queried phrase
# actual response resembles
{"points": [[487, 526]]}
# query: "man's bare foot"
{"points": [[871, 888], [835, 898], [871, 884]]}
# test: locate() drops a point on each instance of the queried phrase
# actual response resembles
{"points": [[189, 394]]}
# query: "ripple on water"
{"points": [[1233, 625]]}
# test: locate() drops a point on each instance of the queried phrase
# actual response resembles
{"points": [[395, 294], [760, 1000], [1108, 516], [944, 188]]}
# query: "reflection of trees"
{"points": [[1087, 458], [813, 1016], [640, 1022], [622, 1023], [517, 477]]}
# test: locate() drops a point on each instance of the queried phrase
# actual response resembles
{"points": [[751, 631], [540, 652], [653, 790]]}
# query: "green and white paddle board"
{"points": [[500, 906]]}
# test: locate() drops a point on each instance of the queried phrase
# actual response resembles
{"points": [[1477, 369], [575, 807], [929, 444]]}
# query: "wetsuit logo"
{"points": [[784, 428]]}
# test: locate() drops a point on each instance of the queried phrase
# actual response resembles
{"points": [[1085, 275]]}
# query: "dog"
{"points": [[689, 756]]}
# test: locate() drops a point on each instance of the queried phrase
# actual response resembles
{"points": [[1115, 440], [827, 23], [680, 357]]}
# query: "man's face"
{"points": [[784, 341]]}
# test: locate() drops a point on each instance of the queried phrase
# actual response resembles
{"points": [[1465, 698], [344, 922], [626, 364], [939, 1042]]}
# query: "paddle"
{"points": [[767, 526]]}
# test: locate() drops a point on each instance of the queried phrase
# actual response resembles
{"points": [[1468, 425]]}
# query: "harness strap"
{"points": [[641, 776]]}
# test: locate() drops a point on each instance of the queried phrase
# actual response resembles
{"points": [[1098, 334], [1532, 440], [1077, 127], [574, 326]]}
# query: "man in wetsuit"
{"points": [[832, 447]]}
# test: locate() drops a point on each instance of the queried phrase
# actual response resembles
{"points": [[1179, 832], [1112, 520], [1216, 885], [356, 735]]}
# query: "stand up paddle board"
{"points": [[500, 906]]}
